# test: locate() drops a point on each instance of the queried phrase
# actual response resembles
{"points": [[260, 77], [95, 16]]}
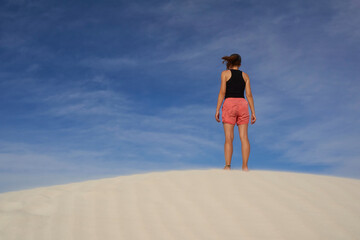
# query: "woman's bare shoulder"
{"points": [[226, 73], [245, 76]]}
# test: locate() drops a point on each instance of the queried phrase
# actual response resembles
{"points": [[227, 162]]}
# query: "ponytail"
{"points": [[232, 60]]}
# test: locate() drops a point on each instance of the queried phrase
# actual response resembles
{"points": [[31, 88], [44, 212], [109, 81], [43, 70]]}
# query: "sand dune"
{"points": [[187, 204]]}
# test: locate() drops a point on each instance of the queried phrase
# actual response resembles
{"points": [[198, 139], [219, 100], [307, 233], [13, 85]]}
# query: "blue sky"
{"points": [[93, 89]]}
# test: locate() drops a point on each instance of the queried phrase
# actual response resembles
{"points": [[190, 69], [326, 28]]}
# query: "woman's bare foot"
{"points": [[227, 167], [245, 168]]}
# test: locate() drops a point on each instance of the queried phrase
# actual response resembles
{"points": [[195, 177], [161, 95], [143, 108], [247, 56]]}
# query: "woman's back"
{"points": [[235, 86]]}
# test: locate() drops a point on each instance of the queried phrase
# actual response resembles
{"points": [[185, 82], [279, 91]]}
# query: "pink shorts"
{"points": [[235, 111]]}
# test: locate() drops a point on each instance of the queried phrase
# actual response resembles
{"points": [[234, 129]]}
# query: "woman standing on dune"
{"points": [[235, 109]]}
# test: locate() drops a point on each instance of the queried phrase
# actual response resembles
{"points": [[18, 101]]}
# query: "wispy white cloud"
{"points": [[115, 63], [84, 102], [108, 116], [345, 20]]}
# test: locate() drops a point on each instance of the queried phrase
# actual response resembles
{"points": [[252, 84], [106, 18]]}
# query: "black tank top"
{"points": [[235, 86]]}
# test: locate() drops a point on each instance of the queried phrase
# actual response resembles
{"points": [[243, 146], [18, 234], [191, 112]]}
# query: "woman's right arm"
{"points": [[249, 97]]}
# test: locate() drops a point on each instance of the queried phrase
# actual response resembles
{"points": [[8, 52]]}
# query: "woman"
{"points": [[235, 109]]}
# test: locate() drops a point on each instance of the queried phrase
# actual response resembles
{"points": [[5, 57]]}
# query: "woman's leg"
{"points": [[245, 144], [228, 146]]}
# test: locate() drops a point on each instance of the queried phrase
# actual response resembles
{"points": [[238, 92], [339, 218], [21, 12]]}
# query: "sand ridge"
{"points": [[187, 204]]}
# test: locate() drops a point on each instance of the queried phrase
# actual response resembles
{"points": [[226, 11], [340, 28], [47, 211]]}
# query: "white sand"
{"points": [[192, 204]]}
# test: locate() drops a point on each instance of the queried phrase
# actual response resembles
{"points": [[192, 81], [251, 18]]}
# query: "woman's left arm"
{"points": [[222, 91]]}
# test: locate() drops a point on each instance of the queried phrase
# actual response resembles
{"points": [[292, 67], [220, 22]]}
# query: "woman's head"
{"points": [[232, 60]]}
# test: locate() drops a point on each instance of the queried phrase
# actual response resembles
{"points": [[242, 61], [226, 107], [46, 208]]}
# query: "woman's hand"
{"points": [[253, 118], [217, 116]]}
